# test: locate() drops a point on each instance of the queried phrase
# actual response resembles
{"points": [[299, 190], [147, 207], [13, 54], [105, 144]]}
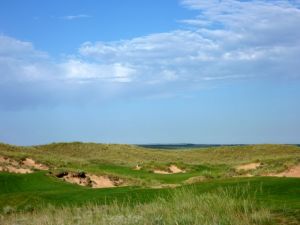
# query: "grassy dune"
{"points": [[87, 153], [147, 198], [120, 159]]}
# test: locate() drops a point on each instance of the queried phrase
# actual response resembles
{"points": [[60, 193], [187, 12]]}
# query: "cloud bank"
{"points": [[228, 40]]}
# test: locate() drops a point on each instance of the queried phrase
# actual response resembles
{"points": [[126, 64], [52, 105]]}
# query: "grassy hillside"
{"points": [[119, 160], [207, 170], [83, 153]]}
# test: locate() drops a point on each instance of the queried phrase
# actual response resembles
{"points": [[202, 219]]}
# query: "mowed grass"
{"points": [[36, 191], [273, 195]]}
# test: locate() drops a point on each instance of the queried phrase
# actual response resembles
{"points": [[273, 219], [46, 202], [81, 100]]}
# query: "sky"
{"points": [[150, 71]]}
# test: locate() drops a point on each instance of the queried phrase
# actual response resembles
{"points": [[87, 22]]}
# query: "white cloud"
{"points": [[84, 71], [74, 17], [13, 48]]}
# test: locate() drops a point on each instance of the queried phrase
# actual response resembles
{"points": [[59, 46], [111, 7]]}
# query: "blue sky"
{"points": [[151, 71]]}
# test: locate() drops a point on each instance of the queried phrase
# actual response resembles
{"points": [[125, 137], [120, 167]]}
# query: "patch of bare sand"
{"points": [[25, 166], [250, 166], [161, 172], [33, 164], [171, 170], [12, 166], [8, 161], [175, 169], [75, 178], [3, 159], [90, 180], [137, 167], [105, 181], [292, 172], [13, 169]]}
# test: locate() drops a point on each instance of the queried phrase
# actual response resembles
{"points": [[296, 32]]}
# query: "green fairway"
{"points": [[40, 189]]}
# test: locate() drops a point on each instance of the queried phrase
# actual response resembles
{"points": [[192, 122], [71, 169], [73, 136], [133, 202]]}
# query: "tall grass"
{"points": [[183, 207]]}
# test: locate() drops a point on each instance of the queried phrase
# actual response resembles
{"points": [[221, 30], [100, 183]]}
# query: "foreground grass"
{"points": [[184, 206], [34, 192]]}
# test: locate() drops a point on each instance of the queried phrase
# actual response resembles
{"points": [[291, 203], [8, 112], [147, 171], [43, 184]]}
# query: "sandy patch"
{"points": [[175, 169], [3, 159], [105, 181], [8, 161], [33, 164], [13, 169], [171, 170], [161, 172], [250, 166], [90, 180], [137, 167], [25, 166], [292, 172], [76, 178]]}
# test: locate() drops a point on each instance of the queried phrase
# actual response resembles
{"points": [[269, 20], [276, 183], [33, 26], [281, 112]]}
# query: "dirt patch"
{"points": [[33, 164], [171, 170], [90, 180], [292, 172], [250, 166]]}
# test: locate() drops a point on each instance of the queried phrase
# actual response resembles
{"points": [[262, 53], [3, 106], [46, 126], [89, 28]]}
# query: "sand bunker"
{"points": [[137, 167], [171, 170], [13, 169], [105, 181], [25, 166], [250, 166], [161, 172], [8, 161], [32, 164], [90, 180], [292, 172], [76, 178], [12, 166], [175, 169]]}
